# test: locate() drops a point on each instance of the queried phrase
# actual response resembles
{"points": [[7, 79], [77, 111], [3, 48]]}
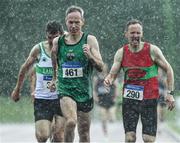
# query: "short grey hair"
{"points": [[74, 8]]}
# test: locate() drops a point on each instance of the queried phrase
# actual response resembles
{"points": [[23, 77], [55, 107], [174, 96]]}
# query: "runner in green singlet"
{"points": [[76, 54]]}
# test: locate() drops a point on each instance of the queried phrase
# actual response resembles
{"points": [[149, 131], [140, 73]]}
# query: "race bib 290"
{"points": [[133, 92]]}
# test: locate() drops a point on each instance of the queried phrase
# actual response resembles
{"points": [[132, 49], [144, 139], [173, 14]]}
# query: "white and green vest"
{"points": [[44, 73]]}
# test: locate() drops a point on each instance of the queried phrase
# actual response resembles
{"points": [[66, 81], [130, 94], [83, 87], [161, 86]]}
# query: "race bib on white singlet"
{"points": [[133, 92], [72, 70], [46, 82]]}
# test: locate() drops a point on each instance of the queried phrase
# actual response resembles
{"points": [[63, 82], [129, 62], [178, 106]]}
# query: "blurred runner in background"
{"points": [[118, 101], [105, 99], [161, 101]]}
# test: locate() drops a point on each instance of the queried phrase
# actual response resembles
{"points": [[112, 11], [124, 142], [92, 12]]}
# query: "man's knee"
{"points": [[71, 123], [57, 136], [84, 137], [130, 137], [42, 136], [148, 138], [42, 130]]}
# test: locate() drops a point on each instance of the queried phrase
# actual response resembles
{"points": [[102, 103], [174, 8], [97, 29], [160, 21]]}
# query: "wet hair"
{"points": [[53, 27], [74, 8], [132, 22]]}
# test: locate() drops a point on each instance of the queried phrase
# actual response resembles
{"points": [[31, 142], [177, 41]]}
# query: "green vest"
{"points": [[74, 71]]}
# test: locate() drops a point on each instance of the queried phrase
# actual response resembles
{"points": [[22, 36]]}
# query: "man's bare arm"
{"points": [[161, 61], [93, 52], [116, 67], [23, 71], [32, 80], [54, 58], [26, 66]]}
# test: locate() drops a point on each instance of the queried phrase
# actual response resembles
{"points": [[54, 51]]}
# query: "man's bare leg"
{"points": [[69, 110], [58, 125], [43, 129], [84, 122]]}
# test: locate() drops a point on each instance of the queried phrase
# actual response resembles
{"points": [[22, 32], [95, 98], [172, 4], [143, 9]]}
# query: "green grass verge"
{"points": [[174, 127], [16, 112]]}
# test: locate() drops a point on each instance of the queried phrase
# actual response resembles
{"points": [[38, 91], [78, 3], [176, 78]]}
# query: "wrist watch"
{"points": [[170, 92]]}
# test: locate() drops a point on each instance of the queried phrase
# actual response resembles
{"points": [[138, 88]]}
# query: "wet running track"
{"points": [[24, 133]]}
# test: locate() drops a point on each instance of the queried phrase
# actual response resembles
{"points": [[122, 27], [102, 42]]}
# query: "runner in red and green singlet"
{"points": [[139, 61]]}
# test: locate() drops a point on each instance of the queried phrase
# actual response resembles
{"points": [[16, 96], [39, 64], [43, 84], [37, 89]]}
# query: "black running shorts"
{"points": [[46, 109], [146, 109], [85, 106]]}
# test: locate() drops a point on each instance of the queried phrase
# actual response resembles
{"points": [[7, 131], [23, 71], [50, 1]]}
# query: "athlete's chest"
{"points": [[72, 53]]}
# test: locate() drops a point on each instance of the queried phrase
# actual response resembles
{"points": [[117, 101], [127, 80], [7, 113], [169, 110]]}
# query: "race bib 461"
{"points": [[72, 70]]}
